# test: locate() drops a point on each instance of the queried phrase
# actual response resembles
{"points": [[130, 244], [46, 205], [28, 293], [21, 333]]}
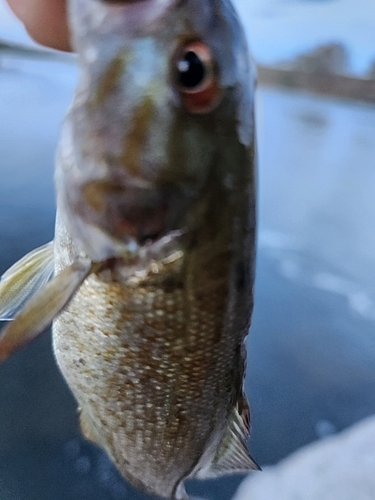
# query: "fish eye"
{"points": [[191, 70], [196, 78]]}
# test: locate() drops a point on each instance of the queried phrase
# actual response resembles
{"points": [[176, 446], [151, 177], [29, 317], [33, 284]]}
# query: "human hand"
{"points": [[45, 21]]}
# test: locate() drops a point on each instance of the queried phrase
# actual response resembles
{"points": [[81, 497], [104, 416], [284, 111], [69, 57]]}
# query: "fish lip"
{"points": [[134, 261], [149, 222], [164, 245], [137, 209], [142, 222]]}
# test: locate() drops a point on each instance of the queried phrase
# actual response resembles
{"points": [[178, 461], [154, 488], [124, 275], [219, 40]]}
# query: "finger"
{"points": [[45, 21]]}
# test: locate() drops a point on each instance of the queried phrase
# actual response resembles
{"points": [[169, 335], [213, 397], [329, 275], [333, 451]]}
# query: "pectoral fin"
{"points": [[24, 279], [88, 429], [41, 308]]}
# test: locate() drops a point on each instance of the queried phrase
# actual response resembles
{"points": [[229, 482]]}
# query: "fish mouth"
{"points": [[143, 223], [143, 214]]}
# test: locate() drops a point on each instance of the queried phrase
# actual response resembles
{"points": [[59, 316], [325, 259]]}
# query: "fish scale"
{"points": [[177, 348]]}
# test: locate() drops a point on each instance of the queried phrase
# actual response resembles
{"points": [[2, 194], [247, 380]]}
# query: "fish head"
{"points": [[165, 85]]}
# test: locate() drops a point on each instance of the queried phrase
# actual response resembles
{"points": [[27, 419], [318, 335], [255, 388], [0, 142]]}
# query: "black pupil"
{"points": [[191, 70]]}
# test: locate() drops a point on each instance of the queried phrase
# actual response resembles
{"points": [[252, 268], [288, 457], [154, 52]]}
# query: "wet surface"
{"points": [[312, 345]]}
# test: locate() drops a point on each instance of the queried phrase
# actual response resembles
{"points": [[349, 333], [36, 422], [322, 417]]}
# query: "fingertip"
{"points": [[45, 21]]}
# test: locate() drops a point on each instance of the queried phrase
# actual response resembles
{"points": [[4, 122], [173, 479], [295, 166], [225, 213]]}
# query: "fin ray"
{"points": [[24, 279], [232, 456], [40, 310], [88, 429]]}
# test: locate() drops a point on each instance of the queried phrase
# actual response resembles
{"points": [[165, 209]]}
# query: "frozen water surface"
{"points": [[312, 347]]}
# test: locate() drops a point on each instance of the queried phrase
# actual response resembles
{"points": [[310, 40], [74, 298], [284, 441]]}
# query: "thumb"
{"points": [[45, 21]]}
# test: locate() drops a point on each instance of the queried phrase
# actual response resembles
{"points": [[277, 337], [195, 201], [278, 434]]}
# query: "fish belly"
{"points": [[152, 370]]}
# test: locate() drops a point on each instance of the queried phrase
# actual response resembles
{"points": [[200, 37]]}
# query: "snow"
{"points": [[340, 467]]}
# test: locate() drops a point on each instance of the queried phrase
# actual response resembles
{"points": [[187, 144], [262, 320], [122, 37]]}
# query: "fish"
{"points": [[149, 279]]}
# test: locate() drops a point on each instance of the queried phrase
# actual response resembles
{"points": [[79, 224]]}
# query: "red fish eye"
{"points": [[196, 78]]}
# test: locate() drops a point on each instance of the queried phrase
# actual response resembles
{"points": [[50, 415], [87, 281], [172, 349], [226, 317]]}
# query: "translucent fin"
{"points": [[232, 456], [40, 310], [24, 279], [88, 429]]}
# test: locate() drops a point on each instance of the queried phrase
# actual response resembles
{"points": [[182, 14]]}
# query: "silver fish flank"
{"points": [[154, 248]]}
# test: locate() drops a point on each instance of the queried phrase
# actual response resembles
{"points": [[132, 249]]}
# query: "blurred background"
{"points": [[312, 343]]}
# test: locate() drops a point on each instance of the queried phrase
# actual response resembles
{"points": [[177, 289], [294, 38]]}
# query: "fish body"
{"points": [[155, 230]]}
